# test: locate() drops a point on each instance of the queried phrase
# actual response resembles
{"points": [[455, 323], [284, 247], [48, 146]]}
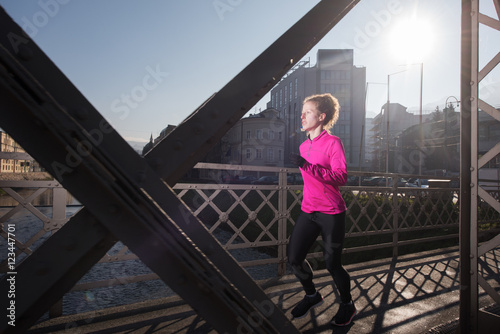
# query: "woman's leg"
{"points": [[303, 236], [333, 232]]}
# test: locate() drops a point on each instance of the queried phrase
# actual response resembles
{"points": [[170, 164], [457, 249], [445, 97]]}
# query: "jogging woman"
{"points": [[323, 167]]}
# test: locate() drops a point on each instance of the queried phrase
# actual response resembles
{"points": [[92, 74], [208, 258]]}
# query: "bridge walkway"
{"points": [[416, 293]]}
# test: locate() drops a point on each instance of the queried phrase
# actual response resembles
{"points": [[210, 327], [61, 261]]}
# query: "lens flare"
{"points": [[411, 40], [89, 296]]}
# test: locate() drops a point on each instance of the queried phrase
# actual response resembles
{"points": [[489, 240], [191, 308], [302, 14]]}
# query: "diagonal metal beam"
{"points": [[189, 142], [124, 205], [109, 142]]}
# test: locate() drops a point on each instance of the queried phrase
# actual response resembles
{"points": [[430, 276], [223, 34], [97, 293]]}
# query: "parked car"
{"points": [[352, 181], [372, 181], [268, 179], [413, 183], [401, 182], [294, 179], [244, 179]]}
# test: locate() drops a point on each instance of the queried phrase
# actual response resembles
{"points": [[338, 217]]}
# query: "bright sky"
{"points": [[147, 64]]}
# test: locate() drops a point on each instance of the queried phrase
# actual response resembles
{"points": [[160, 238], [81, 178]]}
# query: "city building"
{"points": [[436, 144], [441, 143], [7, 144], [333, 73], [256, 140], [398, 119], [153, 142], [370, 141]]}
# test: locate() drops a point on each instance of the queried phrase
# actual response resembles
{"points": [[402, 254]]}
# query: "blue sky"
{"points": [[147, 64]]}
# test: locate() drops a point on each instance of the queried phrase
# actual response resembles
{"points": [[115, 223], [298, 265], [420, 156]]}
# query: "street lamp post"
{"points": [[387, 126], [421, 133], [387, 120], [366, 102], [420, 118], [447, 107], [420, 124]]}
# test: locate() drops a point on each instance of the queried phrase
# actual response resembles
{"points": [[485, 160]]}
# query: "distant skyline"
{"points": [[148, 64]]}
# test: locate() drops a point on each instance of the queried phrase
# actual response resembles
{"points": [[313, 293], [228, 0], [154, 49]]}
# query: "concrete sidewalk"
{"points": [[410, 294]]}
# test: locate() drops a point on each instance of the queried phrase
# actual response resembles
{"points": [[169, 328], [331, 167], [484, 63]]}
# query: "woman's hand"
{"points": [[297, 159]]}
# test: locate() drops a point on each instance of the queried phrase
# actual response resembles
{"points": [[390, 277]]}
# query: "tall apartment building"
{"points": [[333, 73]]}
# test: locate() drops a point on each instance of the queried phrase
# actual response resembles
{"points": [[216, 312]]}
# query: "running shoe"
{"points": [[345, 314], [306, 304]]}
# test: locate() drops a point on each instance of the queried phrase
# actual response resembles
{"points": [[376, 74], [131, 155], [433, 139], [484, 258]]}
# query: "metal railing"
{"points": [[252, 221]]}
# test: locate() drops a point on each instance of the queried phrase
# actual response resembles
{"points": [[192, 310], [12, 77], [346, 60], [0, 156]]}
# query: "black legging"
{"points": [[306, 231]]}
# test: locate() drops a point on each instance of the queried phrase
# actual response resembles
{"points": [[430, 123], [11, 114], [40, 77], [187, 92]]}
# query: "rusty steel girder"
{"points": [[124, 194], [473, 320]]}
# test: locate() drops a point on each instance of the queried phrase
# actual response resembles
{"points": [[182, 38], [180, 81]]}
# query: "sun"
{"points": [[411, 40]]}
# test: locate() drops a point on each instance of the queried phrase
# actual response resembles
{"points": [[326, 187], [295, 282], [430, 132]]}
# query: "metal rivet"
{"points": [[69, 243], [177, 145], [156, 163], [81, 113], [25, 53], [141, 176], [42, 269], [182, 279], [198, 128], [214, 114]]}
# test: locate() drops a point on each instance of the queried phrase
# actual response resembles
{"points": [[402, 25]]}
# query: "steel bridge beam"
{"points": [[124, 195], [473, 320]]}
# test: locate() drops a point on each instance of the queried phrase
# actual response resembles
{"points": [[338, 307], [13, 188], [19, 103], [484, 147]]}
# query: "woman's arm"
{"points": [[336, 174]]}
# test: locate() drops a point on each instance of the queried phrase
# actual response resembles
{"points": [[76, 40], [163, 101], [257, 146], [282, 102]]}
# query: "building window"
{"points": [[280, 135], [280, 155], [248, 154], [271, 134], [249, 134], [296, 87], [258, 134], [286, 94], [258, 153], [291, 87], [270, 154], [281, 98]]}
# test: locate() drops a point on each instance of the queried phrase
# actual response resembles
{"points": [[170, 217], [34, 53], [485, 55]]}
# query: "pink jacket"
{"points": [[324, 172]]}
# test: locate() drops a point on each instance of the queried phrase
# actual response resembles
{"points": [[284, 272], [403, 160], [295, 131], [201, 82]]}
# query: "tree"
{"points": [[437, 115]]}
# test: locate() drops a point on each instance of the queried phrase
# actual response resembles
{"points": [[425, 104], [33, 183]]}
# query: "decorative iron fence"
{"points": [[251, 216]]}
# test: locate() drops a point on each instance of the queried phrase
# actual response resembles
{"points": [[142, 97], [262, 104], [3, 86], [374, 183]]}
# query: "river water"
{"points": [[28, 225]]}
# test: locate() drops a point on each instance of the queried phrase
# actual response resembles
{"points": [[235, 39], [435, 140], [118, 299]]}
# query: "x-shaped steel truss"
{"points": [[125, 195]]}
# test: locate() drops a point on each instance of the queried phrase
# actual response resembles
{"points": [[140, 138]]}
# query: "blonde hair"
{"points": [[326, 104]]}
